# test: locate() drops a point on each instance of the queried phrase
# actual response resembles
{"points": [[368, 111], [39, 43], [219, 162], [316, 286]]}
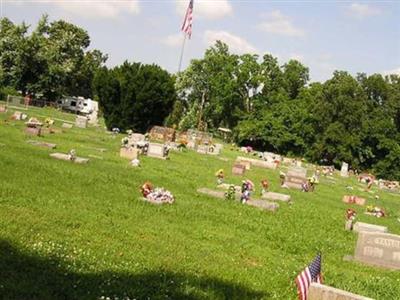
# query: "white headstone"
{"points": [[344, 171]]}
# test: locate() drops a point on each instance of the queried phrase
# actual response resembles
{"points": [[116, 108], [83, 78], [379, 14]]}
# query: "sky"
{"points": [[355, 36]]}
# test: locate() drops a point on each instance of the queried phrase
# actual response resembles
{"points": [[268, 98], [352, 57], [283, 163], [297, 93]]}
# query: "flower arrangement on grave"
{"points": [[264, 186], [247, 187], [375, 211], [220, 176], [230, 194], [156, 195], [48, 122], [351, 214], [135, 162], [72, 154]]}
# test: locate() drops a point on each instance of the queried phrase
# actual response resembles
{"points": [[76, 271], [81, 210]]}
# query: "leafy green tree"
{"points": [[295, 76], [135, 96]]}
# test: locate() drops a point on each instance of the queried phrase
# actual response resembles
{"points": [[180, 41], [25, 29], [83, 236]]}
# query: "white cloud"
{"points": [[92, 8], [390, 72], [173, 40], [278, 23], [361, 11], [205, 8], [236, 44]]}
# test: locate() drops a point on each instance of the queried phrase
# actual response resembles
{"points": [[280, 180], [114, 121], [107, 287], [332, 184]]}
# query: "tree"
{"points": [[135, 96], [295, 77]]}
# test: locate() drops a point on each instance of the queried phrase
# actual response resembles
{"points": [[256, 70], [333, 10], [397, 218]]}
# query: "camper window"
{"points": [[73, 103]]}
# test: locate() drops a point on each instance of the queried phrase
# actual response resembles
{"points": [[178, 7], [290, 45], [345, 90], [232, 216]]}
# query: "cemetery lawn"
{"points": [[70, 231]]}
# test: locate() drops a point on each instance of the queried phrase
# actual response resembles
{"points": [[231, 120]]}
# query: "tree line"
{"points": [[269, 106]]}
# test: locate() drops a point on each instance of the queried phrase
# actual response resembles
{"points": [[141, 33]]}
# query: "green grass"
{"points": [[72, 231]]}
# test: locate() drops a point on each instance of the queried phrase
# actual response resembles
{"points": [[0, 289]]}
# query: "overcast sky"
{"points": [[356, 36]]}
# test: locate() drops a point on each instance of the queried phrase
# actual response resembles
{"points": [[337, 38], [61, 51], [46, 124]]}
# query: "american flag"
{"points": [[311, 273], [187, 23]]}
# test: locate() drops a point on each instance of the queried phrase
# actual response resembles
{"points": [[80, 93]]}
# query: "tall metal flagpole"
{"points": [[182, 50]]}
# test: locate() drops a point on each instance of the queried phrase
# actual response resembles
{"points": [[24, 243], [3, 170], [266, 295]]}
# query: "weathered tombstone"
{"points": [[202, 149], [42, 144], [344, 171], [238, 169], [353, 200], [66, 125], [276, 197], [34, 131], [17, 116], [258, 163], [62, 156], [81, 121], [378, 249], [264, 205], [319, 291], [296, 177], [359, 226], [129, 153], [212, 193], [156, 150], [245, 163], [136, 137]]}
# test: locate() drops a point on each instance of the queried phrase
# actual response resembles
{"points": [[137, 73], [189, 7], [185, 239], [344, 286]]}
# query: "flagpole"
{"points": [[182, 50]]}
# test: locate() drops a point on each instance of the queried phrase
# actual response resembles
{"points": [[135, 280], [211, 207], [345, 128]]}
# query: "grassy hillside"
{"points": [[71, 231]]}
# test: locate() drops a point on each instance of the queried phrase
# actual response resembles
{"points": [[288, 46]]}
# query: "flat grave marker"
{"points": [[319, 291], [62, 156], [360, 226], [238, 169], [276, 197]]}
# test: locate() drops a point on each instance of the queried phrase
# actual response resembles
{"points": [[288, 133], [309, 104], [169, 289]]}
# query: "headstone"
{"points": [[297, 172], [202, 149], [353, 200], [245, 163], [129, 153], [81, 121], [378, 249], [191, 145], [66, 125], [17, 116], [35, 131], [136, 137], [42, 144], [344, 171], [359, 226], [156, 150], [212, 193], [319, 291], [258, 163], [264, 205], [238, 169], [226, 186], [62, 156], [276, 197], [3, 109]]}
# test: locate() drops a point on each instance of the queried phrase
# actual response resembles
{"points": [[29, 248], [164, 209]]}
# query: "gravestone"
{"points": [[3, 109], [136, 137], [319, 291], [359, 226], [202, 149], [276, 197], [344, 171], [212, 193], [62, 156], [264, 205], [226, 186], [34, 131], [66, 125], [191, 145], [156, 150], [296, 177], [17, 116], [245, 163], [353, 200], [258, 163], [42, 144], [378, 249], [129, 153], [81, 121], [238, 169]]}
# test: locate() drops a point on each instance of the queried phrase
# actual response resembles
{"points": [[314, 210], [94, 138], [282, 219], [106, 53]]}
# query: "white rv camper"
{"points": [[78, 105]]}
